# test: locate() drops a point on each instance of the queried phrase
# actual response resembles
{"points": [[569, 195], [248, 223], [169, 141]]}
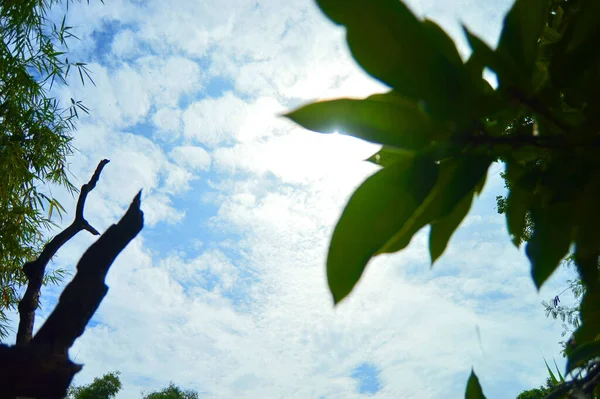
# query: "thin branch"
{"points": [[82, 296], [35, 270]]}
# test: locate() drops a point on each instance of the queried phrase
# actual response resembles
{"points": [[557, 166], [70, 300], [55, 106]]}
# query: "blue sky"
{"points": [[224, 291]]}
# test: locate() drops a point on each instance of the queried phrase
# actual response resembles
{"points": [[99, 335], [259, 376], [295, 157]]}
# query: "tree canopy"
{"points": [[442, 125], [105, 387], [172, 392], [35, 136]]}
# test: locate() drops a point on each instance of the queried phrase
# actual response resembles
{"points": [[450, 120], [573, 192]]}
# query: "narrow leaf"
{"points": [[552, 376]]}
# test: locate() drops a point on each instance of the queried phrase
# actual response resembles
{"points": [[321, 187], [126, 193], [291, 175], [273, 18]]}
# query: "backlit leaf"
{"points": [[391, 44], [457, 178], [384, 119], [376, 210]]}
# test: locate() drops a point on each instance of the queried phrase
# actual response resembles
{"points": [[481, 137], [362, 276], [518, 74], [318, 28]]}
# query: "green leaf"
{"points": [[442, 229], [388, 156], [474, 390], [590, 318], [587, 240], [520, 199], [582, 354], [376, 210], [392, 45], [504, 67], [384, 119], [457, 178], [552, 376], [550, 240], [523, 26], [577, 50]]}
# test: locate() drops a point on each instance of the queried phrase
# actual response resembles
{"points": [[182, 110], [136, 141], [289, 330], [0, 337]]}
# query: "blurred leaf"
{"points": [[590, 318], [376, 210], [520, 199], [550, 240], [443, 228], [523, 26], [384, 119], [391, 44], [457, 178], [474, 390], [582, 355], [388, 156]]}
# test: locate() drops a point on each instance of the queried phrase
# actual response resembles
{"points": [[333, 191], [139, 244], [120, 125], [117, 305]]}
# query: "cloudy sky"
{"points": [[224, 292]]}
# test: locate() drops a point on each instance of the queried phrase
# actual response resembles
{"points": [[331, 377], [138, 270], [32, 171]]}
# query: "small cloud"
{"points": [[191, 157]]}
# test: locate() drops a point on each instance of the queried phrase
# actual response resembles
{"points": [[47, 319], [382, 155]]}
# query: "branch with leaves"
{"points": [[442, 125]]}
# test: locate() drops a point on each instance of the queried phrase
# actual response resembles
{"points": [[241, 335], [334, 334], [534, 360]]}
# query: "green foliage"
{"points": [[172, 392], [35, 136], [105, 387], [442, 125], [474, 390], [537, 393]]}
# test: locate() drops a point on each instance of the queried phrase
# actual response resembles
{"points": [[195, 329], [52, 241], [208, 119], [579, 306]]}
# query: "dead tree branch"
{"points": [[42, 368], [35, 270]]}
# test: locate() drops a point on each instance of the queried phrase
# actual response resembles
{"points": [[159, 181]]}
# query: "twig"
{"points": [[35, 270]]}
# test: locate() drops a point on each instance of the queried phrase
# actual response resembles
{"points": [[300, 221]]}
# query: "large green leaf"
{"points": [[587, 240], [457, 178], [392, 45], [474, 390], [590, 318], [582, 354], [577, 50], [383, 118], [376, 210], [443, 228], [551, 238], [520, 199], [523, 27], [504, 66]]}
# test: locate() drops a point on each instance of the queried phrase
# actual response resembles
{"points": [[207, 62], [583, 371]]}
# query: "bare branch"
{"points": [[83, 295], [41, 368], [35, 270]]}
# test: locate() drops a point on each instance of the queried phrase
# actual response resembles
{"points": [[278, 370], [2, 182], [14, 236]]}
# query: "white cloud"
{"points": [[192, 157], [168, 123], [228, 119]]}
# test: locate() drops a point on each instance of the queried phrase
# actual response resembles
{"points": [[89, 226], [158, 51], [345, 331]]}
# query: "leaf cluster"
{"points": [[441, 125]]}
